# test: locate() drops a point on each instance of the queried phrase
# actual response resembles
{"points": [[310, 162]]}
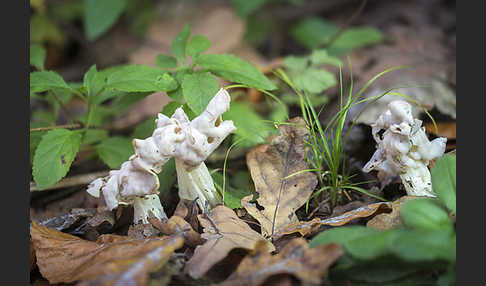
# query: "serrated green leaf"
{"points": [[444, 180], [93, 81], [37, 56], [427, 214], [198, 89], [124, 100], [138, 78], [114, 151], [311, 32], [353, 38], [250, 126], [99, 16], [144, 129], [314, 80], [166, 61], [234, 69], [189, 112], [197, 45], [245, 7], [54, 156], [41, 81], [179, 44]]}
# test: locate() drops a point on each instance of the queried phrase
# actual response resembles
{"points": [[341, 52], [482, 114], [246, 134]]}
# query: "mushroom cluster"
{"points": [[188, 142], [404, 149]]}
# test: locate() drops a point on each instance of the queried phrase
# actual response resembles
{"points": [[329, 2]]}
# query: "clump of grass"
{"points": [[326, 144]]}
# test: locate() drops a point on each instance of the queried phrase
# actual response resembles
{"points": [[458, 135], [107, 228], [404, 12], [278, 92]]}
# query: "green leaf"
{"points": [[93, 81], [198, 89], [235, 69], [140, 15], [123, 101], [197, 45], [170, 108], [425, 245], [249, 124], [41, 81], [166, 61], [43, 29], [245, 7], [37, 56], [179, 44], [311, 32], [425, 213], [34, 140], [138, 78], [373, 245], [54, 155], [319, 57], [296, 63], [444, 180], [144, 129], [353, 38], [94, 136], [232, 195], [314, 80], [114, 151], [341, 235], [99, 16]]}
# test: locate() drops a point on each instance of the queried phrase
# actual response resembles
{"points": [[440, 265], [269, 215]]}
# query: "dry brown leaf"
{"points": [[176, 225], [110, 260], [269, 164], [305, 228], [389, 220], [223, 231], [296, 258]]}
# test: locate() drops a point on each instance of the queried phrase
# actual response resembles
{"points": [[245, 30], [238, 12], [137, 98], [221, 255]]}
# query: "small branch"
{"points": [[66, 126], [73, 181]]}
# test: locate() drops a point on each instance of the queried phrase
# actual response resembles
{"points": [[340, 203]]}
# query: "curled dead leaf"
{"points": [[270, 166], [223, 231], [305, 228], [112, 259], [296, 258]]}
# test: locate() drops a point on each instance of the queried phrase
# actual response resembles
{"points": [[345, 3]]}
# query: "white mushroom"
{"points": [[404, 149], [189, 142]]}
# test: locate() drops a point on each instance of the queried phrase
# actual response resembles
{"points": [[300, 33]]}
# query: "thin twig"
{"points": [[66, 126], [72, 181]]}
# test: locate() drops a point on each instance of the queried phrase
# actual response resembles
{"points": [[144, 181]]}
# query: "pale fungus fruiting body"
{"points": [[188, 142], [404, 149]]}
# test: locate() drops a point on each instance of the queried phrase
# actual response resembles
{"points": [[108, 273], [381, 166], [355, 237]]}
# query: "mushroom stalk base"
{"points": [[146, 207], [197, 184]]}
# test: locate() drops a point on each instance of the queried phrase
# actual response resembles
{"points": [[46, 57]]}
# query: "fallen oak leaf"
{"points": [[272, 167], [224, 231], [112, 259], [307, 227], [296, 258]]}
